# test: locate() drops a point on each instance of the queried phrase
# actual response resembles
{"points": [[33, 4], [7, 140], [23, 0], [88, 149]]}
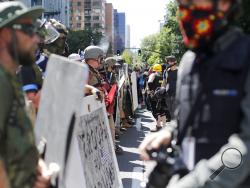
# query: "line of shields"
{"points": [[72, 132]]}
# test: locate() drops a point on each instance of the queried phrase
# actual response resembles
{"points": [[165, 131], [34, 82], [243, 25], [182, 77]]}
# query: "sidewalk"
{"points": [[134, 171]]}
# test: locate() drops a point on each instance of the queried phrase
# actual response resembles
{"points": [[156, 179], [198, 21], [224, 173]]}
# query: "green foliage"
{"points": [[167, 42], [127, 56], [81, 39], [148, 46]]}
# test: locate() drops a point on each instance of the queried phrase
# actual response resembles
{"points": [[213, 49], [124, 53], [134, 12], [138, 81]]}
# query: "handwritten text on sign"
{"points": [[96, 152]]}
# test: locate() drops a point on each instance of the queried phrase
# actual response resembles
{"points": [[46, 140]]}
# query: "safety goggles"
{"points": [[28, 29]]}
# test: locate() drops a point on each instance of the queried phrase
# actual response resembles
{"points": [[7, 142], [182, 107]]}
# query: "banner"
{"points": [[62, 92], [134, 90], [95, 143]]}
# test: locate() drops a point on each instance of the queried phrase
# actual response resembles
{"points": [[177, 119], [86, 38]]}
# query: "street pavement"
{"points": [[134, 171]]}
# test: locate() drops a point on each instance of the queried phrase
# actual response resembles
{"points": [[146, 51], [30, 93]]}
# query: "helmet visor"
{"points": [[48, 33]]}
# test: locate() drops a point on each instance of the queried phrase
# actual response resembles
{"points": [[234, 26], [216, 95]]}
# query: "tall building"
{"points": [[127, 36], [109, 26], [119, 23], [87, 14], [57, 9], [31, 3], [76, 18]]}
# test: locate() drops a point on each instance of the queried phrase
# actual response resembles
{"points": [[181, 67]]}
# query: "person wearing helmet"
{"points": [[19, 159], [154, 82], [48, 35], [213, 98], [59, 46], [94, 58], [53, 34]]}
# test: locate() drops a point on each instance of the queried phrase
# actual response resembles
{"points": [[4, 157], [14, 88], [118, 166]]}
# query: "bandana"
{"points": [[200, 24]]}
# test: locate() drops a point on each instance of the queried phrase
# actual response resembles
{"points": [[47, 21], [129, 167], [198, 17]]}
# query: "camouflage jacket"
{"points": [[17, 144]]}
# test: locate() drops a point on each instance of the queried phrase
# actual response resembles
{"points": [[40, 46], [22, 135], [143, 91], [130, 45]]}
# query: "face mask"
{"points": [[200, 24]]}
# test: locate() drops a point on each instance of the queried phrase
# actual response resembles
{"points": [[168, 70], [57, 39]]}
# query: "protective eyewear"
{"points": [[28, 29]]}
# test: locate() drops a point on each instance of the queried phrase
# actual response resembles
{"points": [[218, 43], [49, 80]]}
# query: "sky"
{"points": [[143, 16]]}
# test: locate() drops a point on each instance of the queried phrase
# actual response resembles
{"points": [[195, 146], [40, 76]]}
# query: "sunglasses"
{"points": [[28, 29]]}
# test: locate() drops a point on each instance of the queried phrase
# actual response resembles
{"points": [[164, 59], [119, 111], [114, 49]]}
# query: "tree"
{"points": [[148, 45], [81, 39], [167, 42], [127, 56]]}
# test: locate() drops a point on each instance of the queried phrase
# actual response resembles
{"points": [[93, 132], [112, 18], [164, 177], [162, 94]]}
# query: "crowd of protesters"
{"points": [[26, 44], [156, 90]]}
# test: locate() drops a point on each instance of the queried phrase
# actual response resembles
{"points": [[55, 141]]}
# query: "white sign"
{"points": [[99, 163], [134, 90], [62, 92]]}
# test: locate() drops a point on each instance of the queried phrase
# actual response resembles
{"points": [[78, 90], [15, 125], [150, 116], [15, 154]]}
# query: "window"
{"points": [[87, 18], [87, 5], [96, 11], [78, 18], [78, 25], [87, 24], [96, 17], [96, 3], [87, 13], [79, 4], [96, 25]]}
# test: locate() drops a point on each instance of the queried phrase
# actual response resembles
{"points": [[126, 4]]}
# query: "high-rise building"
{"points": [[127, 36], [57, 9], [119, 23], [31, 3], [76, 19], [109, 26], [87, 14]]}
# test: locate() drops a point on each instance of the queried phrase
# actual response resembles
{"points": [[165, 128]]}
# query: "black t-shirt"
{"points": [[171, 80]]}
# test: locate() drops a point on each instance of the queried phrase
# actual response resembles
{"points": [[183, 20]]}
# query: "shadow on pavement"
{"points": [[130, 165]]}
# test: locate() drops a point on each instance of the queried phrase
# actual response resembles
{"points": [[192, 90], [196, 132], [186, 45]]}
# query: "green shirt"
{"points": [[17, 143]]}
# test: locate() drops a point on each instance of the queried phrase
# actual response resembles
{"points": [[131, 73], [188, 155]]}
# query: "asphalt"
{"points": [[134, 171]]}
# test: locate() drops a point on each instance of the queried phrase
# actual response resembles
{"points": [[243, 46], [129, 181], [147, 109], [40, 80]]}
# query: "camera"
{"points": [[169, 163]]}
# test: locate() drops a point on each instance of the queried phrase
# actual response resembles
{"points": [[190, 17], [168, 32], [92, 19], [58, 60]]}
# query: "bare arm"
{"points": [[4, 183]]}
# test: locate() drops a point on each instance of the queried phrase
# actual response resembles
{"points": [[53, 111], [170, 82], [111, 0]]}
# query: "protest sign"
{"points": [[62, 92], [99, 162]]}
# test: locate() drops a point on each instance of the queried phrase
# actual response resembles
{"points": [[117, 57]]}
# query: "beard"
{"points": [[24, 58]]}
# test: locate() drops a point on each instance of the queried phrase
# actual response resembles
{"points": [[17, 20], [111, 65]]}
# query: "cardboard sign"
{"points": [[61, 95], [95, 143]]}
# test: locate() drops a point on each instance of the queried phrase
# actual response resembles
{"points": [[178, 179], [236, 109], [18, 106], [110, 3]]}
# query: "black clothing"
{"points": [[220, 76], [171, 80]]}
